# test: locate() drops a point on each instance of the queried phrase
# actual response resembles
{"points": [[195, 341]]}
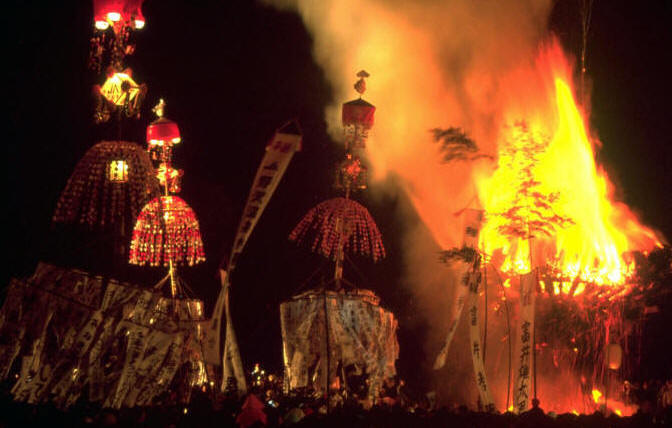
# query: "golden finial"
{"points": [[158, 109], [360, 86]]}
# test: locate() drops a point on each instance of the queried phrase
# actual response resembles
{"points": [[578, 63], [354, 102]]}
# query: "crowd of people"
{"points": [[266, 406]]}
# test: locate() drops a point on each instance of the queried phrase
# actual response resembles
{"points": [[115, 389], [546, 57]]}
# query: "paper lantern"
{"points": [[114, 13], [119, 93], [166, 231], [111, 183], [118, 171], [163, 132], [344, 218], [357, 117], [614, 356], [120, 89], [359, 113]]}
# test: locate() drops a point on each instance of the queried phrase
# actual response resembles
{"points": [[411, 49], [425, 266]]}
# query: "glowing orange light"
{"points": [[166, 232], [118, 171], [592, 248], [120, 89], [596, 395]]}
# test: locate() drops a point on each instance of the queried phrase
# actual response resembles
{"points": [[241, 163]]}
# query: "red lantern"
{"points": [[163, 132], [133, 10], [113, 12], [358, 113]]}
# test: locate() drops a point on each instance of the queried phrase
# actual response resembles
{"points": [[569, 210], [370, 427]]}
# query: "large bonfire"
{"points": [[593, 249], [488, 81], [550, 209]]}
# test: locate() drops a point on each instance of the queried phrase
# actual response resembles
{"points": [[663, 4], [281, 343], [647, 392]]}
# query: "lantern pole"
{"points": [[169, 179]]}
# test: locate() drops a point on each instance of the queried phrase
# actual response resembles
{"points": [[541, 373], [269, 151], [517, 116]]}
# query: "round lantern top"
{"points": [[166, 231], [163, 131]]}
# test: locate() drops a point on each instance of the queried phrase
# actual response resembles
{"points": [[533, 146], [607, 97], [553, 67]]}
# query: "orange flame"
{"points": [[592, 247], [597, 394]]}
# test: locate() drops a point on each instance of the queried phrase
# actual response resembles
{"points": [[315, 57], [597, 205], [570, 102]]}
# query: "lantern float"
{"points": [[342, 223], [307, 320], [166, 231]]}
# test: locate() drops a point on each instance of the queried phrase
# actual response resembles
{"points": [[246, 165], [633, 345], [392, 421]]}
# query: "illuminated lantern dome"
{"points": [[360, 234], [110, 184], [166, 232]]}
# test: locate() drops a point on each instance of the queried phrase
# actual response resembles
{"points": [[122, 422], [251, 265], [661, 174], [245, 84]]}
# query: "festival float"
{"points": [[337, 338], [75, 333]]}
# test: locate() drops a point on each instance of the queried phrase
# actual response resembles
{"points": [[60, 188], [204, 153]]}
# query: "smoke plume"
{"points": [[432, 64]]}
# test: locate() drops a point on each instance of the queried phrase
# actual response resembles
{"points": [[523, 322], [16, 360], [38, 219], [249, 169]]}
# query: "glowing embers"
{"points": [[118, 171], [340, 221], [166, 231]]}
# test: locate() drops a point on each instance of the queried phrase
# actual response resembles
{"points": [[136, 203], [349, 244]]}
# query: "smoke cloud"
{"points": [[432, 64]]}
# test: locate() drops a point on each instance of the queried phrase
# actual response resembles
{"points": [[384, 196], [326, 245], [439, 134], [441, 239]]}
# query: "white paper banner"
{"points": [[524, 344]]}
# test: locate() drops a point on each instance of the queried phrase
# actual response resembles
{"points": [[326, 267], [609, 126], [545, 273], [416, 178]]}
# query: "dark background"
{"points": [[231, 73]]}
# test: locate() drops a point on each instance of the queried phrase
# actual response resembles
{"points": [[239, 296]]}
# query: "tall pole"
{"points": [[327, 376], [171, 267], [485, 315]]}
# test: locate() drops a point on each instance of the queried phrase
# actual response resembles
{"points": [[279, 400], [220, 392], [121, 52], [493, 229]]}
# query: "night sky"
{"points": [[232, 72]]}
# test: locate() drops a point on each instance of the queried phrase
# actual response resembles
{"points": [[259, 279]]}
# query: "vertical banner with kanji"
{"points": [[458, 305], [472, 219], [279, 151], [476, 345], [524, 344]]}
